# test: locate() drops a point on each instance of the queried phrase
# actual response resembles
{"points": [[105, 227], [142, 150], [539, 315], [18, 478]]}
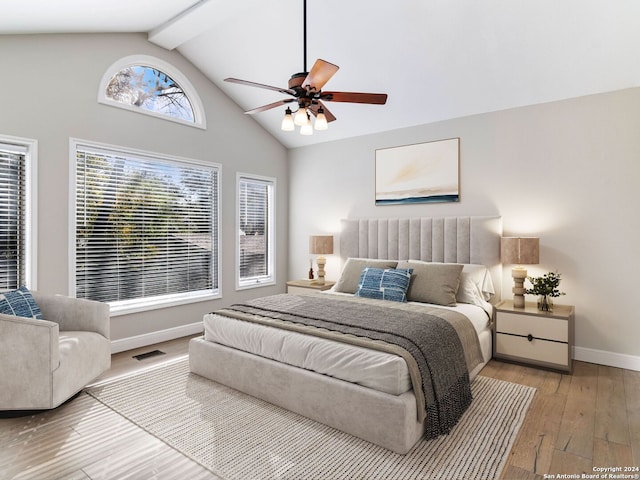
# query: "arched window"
{"points": [[149, 85]]}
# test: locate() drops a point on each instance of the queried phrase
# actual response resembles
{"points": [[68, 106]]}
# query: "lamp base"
{"points": [[321, 261], [519, 274]]}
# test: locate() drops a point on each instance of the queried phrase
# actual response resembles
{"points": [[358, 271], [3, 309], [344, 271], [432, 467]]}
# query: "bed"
{"points": [[341, 379]]}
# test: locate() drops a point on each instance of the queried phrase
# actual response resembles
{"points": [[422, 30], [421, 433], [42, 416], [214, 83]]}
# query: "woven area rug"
{"points": [[237, 436]]}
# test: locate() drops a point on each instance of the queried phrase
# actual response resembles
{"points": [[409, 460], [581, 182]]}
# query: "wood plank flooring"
{"points": [[575, 423]]}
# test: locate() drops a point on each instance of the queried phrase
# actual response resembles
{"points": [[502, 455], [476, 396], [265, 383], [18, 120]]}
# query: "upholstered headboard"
{"points": [[431, 239]]}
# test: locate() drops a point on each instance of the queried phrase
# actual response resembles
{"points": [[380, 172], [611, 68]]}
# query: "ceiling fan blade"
{"points": [[355, 97], [260, 85], [320, 74], [270, 106], [329, 116]]}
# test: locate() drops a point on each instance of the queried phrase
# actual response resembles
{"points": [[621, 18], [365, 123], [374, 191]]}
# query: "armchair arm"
{"points": [[29, 353], [75, 313]]}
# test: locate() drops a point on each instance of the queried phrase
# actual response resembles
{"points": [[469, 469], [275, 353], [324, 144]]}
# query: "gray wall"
{"points": [[568, 172], [50, 88]]}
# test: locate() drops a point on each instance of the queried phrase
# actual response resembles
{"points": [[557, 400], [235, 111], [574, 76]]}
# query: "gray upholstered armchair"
{"points": [[45, 362]]}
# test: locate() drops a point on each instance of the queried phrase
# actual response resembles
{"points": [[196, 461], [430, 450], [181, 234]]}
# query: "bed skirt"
{"points": [[380, 418]]}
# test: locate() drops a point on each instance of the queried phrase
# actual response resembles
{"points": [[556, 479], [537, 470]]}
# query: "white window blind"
{"points": [[255, 231], [146, 228], [12, 217]]}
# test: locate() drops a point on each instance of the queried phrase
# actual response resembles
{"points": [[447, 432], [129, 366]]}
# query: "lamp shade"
{"points": [[520, 250], [287, 122], [300, 118], [321, 244], [321, 120]]}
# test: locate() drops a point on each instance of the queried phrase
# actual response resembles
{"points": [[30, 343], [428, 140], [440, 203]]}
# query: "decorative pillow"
{"points": [[384, 283], [350, 276], [20, 303], [435, 283], [475, 283]]}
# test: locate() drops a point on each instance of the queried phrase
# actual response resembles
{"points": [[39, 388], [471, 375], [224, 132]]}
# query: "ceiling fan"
{"points": [[305, 89]]}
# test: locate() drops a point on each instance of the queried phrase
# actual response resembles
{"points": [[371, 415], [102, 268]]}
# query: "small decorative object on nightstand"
{"points": [[307, 286], [546, 288], [519, 251], [528, 335]]}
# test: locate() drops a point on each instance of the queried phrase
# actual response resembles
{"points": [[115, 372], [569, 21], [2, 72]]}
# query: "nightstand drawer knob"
{"points": [[530, 337]]}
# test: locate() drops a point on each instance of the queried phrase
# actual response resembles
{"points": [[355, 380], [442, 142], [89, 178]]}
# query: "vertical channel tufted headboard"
{"points": [[431, 239]]}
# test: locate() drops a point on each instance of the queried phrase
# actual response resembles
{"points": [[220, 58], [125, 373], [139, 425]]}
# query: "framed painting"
{"points": [[420, 173]]}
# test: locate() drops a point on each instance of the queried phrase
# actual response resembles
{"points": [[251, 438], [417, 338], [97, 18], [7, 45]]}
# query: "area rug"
{"points": [[237, 436]]}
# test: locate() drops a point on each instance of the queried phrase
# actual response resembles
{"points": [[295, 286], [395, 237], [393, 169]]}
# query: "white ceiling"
{"points": [[436, 59]]}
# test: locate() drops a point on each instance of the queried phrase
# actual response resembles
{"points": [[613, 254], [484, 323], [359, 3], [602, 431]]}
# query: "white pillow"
{"points": [[479, 276]]}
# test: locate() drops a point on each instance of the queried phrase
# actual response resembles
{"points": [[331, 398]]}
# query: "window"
{"points": [[149, 85], [146, 228], [17, 248], [256, 207]]}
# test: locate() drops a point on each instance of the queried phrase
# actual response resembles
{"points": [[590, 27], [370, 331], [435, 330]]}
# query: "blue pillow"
{"points": [[20, 303], [384, 283]]}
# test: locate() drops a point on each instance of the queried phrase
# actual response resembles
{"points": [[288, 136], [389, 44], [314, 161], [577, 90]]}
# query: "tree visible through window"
{"points": [[146, 227], [150, 89]]}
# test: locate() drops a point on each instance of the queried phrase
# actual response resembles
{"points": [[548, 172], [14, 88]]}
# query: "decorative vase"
{"points": [[545, 303]]}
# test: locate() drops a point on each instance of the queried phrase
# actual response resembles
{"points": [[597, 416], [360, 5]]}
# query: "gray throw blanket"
{"points": [[443, 384]]}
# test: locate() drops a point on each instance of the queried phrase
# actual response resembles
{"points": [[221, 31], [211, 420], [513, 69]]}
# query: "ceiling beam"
{"points": [[195, 20]]}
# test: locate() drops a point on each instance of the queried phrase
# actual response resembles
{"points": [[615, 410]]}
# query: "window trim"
{"points": [[271, 233], [150, 303], [200, 120], [31, 204]]}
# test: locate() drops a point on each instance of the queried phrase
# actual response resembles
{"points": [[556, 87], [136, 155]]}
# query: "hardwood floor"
{"points": [[575, 423]]}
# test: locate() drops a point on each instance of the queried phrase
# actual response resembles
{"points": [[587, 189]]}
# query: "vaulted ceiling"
{"points": [[436, 59]]}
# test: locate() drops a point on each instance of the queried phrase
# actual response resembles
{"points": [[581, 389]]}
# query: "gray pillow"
{"points": [[435, 283], [348, 282]]}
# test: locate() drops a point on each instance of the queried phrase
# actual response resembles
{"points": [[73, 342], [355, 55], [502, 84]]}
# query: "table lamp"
{"points": [[321, 245], [519, 251]]}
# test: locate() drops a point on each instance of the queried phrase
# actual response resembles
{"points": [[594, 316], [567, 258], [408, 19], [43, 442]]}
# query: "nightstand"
{"points": [[527, 335], [307, 286]]}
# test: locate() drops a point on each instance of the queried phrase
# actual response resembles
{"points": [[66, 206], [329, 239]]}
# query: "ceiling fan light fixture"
{"points": [[321, 120], [307, 128], [287, 121], [301, 117]]}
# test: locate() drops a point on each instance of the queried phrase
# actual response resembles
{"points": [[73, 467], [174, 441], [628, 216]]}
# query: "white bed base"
{"points": [[386, 420]]}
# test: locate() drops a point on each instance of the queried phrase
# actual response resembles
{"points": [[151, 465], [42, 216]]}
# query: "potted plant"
{"points": [[546, 288]]}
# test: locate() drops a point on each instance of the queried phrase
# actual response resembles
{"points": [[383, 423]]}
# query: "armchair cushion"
{"points": [[20, 303]]}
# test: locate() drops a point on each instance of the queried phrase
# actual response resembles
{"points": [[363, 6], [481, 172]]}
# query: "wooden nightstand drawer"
{"points": [[539, 327], [536, 349]]}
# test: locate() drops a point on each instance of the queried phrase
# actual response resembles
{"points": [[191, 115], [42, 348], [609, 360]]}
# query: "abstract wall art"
{"points": [[420, 173]]}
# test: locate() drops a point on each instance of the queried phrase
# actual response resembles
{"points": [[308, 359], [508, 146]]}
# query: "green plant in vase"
{"points": [[546, 288]]}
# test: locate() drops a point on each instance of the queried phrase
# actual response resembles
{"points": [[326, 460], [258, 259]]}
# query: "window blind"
{"points": [[146, 227], [255, 214], [12, 217]]}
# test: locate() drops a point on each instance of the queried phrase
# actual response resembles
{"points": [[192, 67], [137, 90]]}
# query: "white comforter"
{"points": [[370, 368]]}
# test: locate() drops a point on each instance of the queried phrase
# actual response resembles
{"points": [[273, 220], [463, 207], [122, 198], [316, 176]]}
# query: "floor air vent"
{"points": [[144, 356]]}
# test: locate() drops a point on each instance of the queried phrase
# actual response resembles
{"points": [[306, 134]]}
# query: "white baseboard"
{"points": [[601, 357], [129, 343]]}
